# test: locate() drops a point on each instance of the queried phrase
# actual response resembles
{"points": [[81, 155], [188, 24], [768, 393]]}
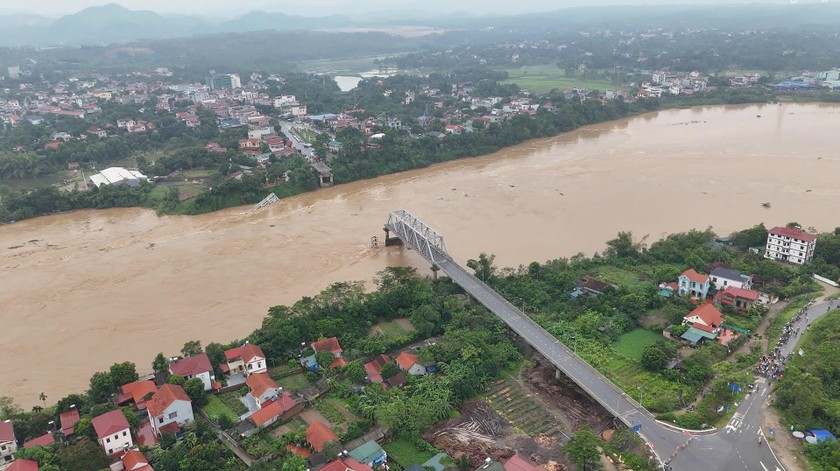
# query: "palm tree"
{"points": [[43, 397]]}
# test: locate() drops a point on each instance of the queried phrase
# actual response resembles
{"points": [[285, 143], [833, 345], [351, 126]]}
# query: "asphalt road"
{"points": [[306, 152]]}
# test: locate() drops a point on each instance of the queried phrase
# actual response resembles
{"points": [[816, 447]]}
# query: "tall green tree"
{"points": [[123, 373], [582, 449], [193, 347], [160, 363], [101, 387]]}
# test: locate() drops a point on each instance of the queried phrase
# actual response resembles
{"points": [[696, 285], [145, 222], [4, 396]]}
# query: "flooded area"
{"points": [[80, 291]]}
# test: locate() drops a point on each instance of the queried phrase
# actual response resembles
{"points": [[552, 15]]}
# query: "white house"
{"points": [[197, 366], [693, 284], [247, 359], [169, 409], [409, 363], [790, 244], [112, 431], [722, 278], [8, 444], [118, 176], [262, 388]]}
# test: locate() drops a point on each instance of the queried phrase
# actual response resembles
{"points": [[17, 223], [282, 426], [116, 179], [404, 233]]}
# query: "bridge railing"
{"points": [[418, 235]]}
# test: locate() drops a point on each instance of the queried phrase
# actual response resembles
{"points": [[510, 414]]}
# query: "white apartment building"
{"points": [[790, 244]]}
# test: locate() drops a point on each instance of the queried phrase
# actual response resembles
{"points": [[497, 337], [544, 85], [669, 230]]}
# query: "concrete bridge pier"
{"points": [[435, 269], [558, 374], [391, 241]]}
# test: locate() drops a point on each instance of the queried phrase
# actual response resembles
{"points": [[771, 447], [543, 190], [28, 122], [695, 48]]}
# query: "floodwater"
{"points": [[82, 290]]}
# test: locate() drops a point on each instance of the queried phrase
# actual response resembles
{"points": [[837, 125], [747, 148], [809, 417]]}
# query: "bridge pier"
{"points": [[435, 270], [391, 241]]}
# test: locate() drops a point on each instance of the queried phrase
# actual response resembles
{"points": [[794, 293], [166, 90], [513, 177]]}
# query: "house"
{"points": [[197, 366], [23, 465], [98, 132], [214, 147], [738, 297], [134, 460], [518, 463], [723, 277], [409, 363], [330, 345], [112, 432], [73, 166], [396, 381], [693, 284], [170, 405], [284, 408], [705, 317], [666, 290], [251, 144], [262, 388], [790, 244], [588, 287], [46, 439], [318, 435], [8, 443], [68, 420], [369, 453], [374, 368], [248, 359], [139, 392], [346, 464]]}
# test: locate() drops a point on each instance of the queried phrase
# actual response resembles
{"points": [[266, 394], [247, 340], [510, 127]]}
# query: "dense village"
{"points": [[321, 405]]}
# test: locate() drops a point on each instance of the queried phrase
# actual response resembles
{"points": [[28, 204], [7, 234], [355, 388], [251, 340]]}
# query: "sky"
{"points": [[230, 8]]}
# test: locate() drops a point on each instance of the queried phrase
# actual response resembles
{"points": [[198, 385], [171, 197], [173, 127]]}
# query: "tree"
{"points": [[131, 417], [295, 463], [332, 449], [81, 401], [389, 370], [167, 440], [355, 371], [101, 387], [225, 422], [216, 353], [84, 428], [623, 246], [654, 358], [195, 390], [123, 373], [483, 267], [324, 359], [43, 397], [160, 363], [176, 380], [582, 448], [8, 408], [193, 347]]}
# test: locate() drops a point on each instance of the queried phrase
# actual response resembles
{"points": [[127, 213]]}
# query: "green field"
{"points": [[406, 453], [293, 383], [544, 78], [215, 409], [619, 277], [392, 328], [231, 400], [631, 344]]}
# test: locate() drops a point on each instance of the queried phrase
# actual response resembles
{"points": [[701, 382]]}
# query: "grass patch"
{"points": [[330, 412], [215, 409], [194, 173], [406, 453], [231, 400], [294, 383], [544, 78], [190, 190], [631, 344], [392, 328], [619, 277]]}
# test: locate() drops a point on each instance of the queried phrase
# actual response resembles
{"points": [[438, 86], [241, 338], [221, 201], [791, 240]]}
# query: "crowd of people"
{"points": [[772, 365]]}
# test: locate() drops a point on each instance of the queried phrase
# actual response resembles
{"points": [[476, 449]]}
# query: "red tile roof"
{"points": [[7, 432], [109, 423], [23, 465], [298, 450], [68, 420], [329, 345], [164, 398], [318, 435], [140, 391], [246, 352], [793, 233], [191, 366], [709, 314], [346, 464], [273, 409], [46, 439], [374, 367], [695, 277], [741, 293], [406, 360], [517, 463], [259, 383], [133, 460], [171, 427]]}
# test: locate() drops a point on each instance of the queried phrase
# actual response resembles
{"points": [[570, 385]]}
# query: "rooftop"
{"points": [[695, 277], [191, 366], [166, 395], [246, 353], [793, 233], [331, 345], [318, 435], [259, 383], [7, 432], [406, 360], [109, 423]]}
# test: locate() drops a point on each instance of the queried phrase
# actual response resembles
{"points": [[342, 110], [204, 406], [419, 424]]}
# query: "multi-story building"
{"points": [[693, 284], [169, 409], [197, 366], [226, 81], [790, 244], [8, 444], [113, 432]]}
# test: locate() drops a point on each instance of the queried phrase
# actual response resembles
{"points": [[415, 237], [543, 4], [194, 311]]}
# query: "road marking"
{"points": [[763, 467]]}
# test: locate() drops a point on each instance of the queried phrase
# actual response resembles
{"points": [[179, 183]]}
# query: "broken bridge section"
{"points": [[417, 235]]}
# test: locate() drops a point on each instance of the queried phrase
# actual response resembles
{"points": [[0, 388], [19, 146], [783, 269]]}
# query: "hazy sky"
{"points": [[325, 7]]}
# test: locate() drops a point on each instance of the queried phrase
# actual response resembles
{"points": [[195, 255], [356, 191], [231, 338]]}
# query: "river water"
{"points": [[82, 290]]}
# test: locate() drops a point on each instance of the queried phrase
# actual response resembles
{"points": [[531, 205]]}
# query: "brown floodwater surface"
{"points": [[82, 290]]}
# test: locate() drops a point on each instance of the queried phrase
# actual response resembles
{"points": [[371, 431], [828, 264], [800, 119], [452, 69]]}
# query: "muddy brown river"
{"points": [[82, 290]]}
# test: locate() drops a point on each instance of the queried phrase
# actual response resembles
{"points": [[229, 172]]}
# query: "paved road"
{"points": [[734, 448], [306, 152]]}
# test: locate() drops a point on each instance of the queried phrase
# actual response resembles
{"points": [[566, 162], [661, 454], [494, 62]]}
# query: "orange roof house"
{"points": [[318, 435]]}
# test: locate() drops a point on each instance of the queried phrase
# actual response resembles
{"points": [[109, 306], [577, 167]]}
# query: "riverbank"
{"points": [[83, 290]]}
